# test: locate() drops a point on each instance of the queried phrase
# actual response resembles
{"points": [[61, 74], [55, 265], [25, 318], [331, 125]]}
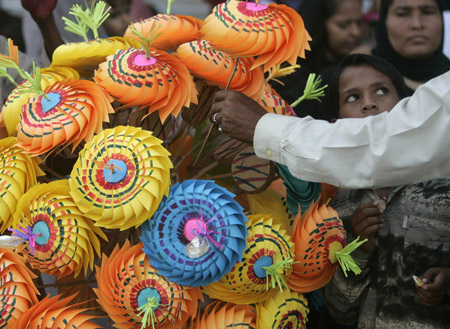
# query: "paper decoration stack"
{"points": [[17, 290], [60, 239], [265, 266], [135, 295], [226, 315], [197, 235]]}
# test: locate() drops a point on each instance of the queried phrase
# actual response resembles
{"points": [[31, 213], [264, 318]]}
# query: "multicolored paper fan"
{"points": [[274, 33], [72, 112], [319, 239], [216, 67], [161, 82], [86, 56], [226, 148], [18, 172], [273, 103], [18, 98], [197, 234], [54, 313], [61, 239], [120, 177], [17, 290], [298, 192], [286, 309], [218, 315], [174, 30], [264, 268], [135, 295]]}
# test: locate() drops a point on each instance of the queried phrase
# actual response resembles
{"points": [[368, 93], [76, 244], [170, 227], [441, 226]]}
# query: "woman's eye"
{"points": [[382, 91], [351, 98]]}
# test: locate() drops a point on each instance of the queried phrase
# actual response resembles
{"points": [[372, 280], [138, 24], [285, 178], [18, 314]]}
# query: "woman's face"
{"points": [[344, 28], [364, 91], [414, 27]]}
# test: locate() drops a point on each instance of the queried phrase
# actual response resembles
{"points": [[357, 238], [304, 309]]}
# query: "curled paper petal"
{"points": [[195, 208], [161, 82], [275, 33], [18, 98], [318, 234], [18, 172], [127, 281], [286, 309], [250, 280], [120, 177], [217, 67], [17, 290], [73, 112], [54, 313], [225, 315], [65, 240], [173, 29]]}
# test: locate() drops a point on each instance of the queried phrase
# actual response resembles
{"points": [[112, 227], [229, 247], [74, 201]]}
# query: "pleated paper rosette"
{"points": [[286, 309], [265, 266], [217, 67], [135, 295], [120, 177], [218, 315], [160, 82], [274, 33], [70, 112], [18, 172], [53, 312], [197, 235], [320, 245], [173, 29], [17, 290], [60, 239]]}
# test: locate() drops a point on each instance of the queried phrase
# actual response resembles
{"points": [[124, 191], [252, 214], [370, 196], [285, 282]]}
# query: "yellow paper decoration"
{"points": [[218, 315], [64, 238], [120, 177], [18, 173]]}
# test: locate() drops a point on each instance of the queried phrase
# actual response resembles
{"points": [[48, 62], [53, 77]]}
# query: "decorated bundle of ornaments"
{"points": [[203, 257]]}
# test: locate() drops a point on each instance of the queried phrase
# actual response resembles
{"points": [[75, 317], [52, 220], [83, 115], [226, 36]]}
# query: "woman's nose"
{"points": [[368, 105]]}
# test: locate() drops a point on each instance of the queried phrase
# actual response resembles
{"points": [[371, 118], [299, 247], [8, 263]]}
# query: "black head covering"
{"points": [[422, 69]]}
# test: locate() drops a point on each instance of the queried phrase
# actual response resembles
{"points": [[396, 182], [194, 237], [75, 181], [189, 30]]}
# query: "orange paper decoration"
{"points": [[274, 33], [54, 313], [127, 281], [216, 67], [161, 82], [73, 112], [17, 290], [272, 102], [173, 29], [218, 315], [318, 234]]}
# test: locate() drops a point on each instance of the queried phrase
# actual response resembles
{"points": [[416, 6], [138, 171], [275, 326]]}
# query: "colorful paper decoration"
{"points": [[197, 234], [161, 82], [273, 103], [54, 313], [173, 29], [250, 173], [274, 33], [226, 148], [120, 177], [86, 56], [151, 122], [319, 238], [264, 268], [196, 114], [18, 172], [17, 290], [17, 98], [218, 315], [135, 295], [73, 112], [286, 309], [216, 67], [298, 192], [61, 239]]}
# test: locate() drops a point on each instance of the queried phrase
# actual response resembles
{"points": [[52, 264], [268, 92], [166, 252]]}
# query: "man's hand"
{"points": [[40, 10], [366, 222], [236, 115], [436, 285]]}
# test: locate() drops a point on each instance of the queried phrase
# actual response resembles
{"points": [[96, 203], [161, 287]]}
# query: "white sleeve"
{"points": [[409, 144]]}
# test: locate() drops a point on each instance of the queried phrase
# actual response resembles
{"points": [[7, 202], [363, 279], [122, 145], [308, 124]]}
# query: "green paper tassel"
{"points": [[273, 271], [346, 260], [312, 90]]}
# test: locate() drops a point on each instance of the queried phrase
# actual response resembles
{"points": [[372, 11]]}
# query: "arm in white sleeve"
{"points": [[409, 144]]}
